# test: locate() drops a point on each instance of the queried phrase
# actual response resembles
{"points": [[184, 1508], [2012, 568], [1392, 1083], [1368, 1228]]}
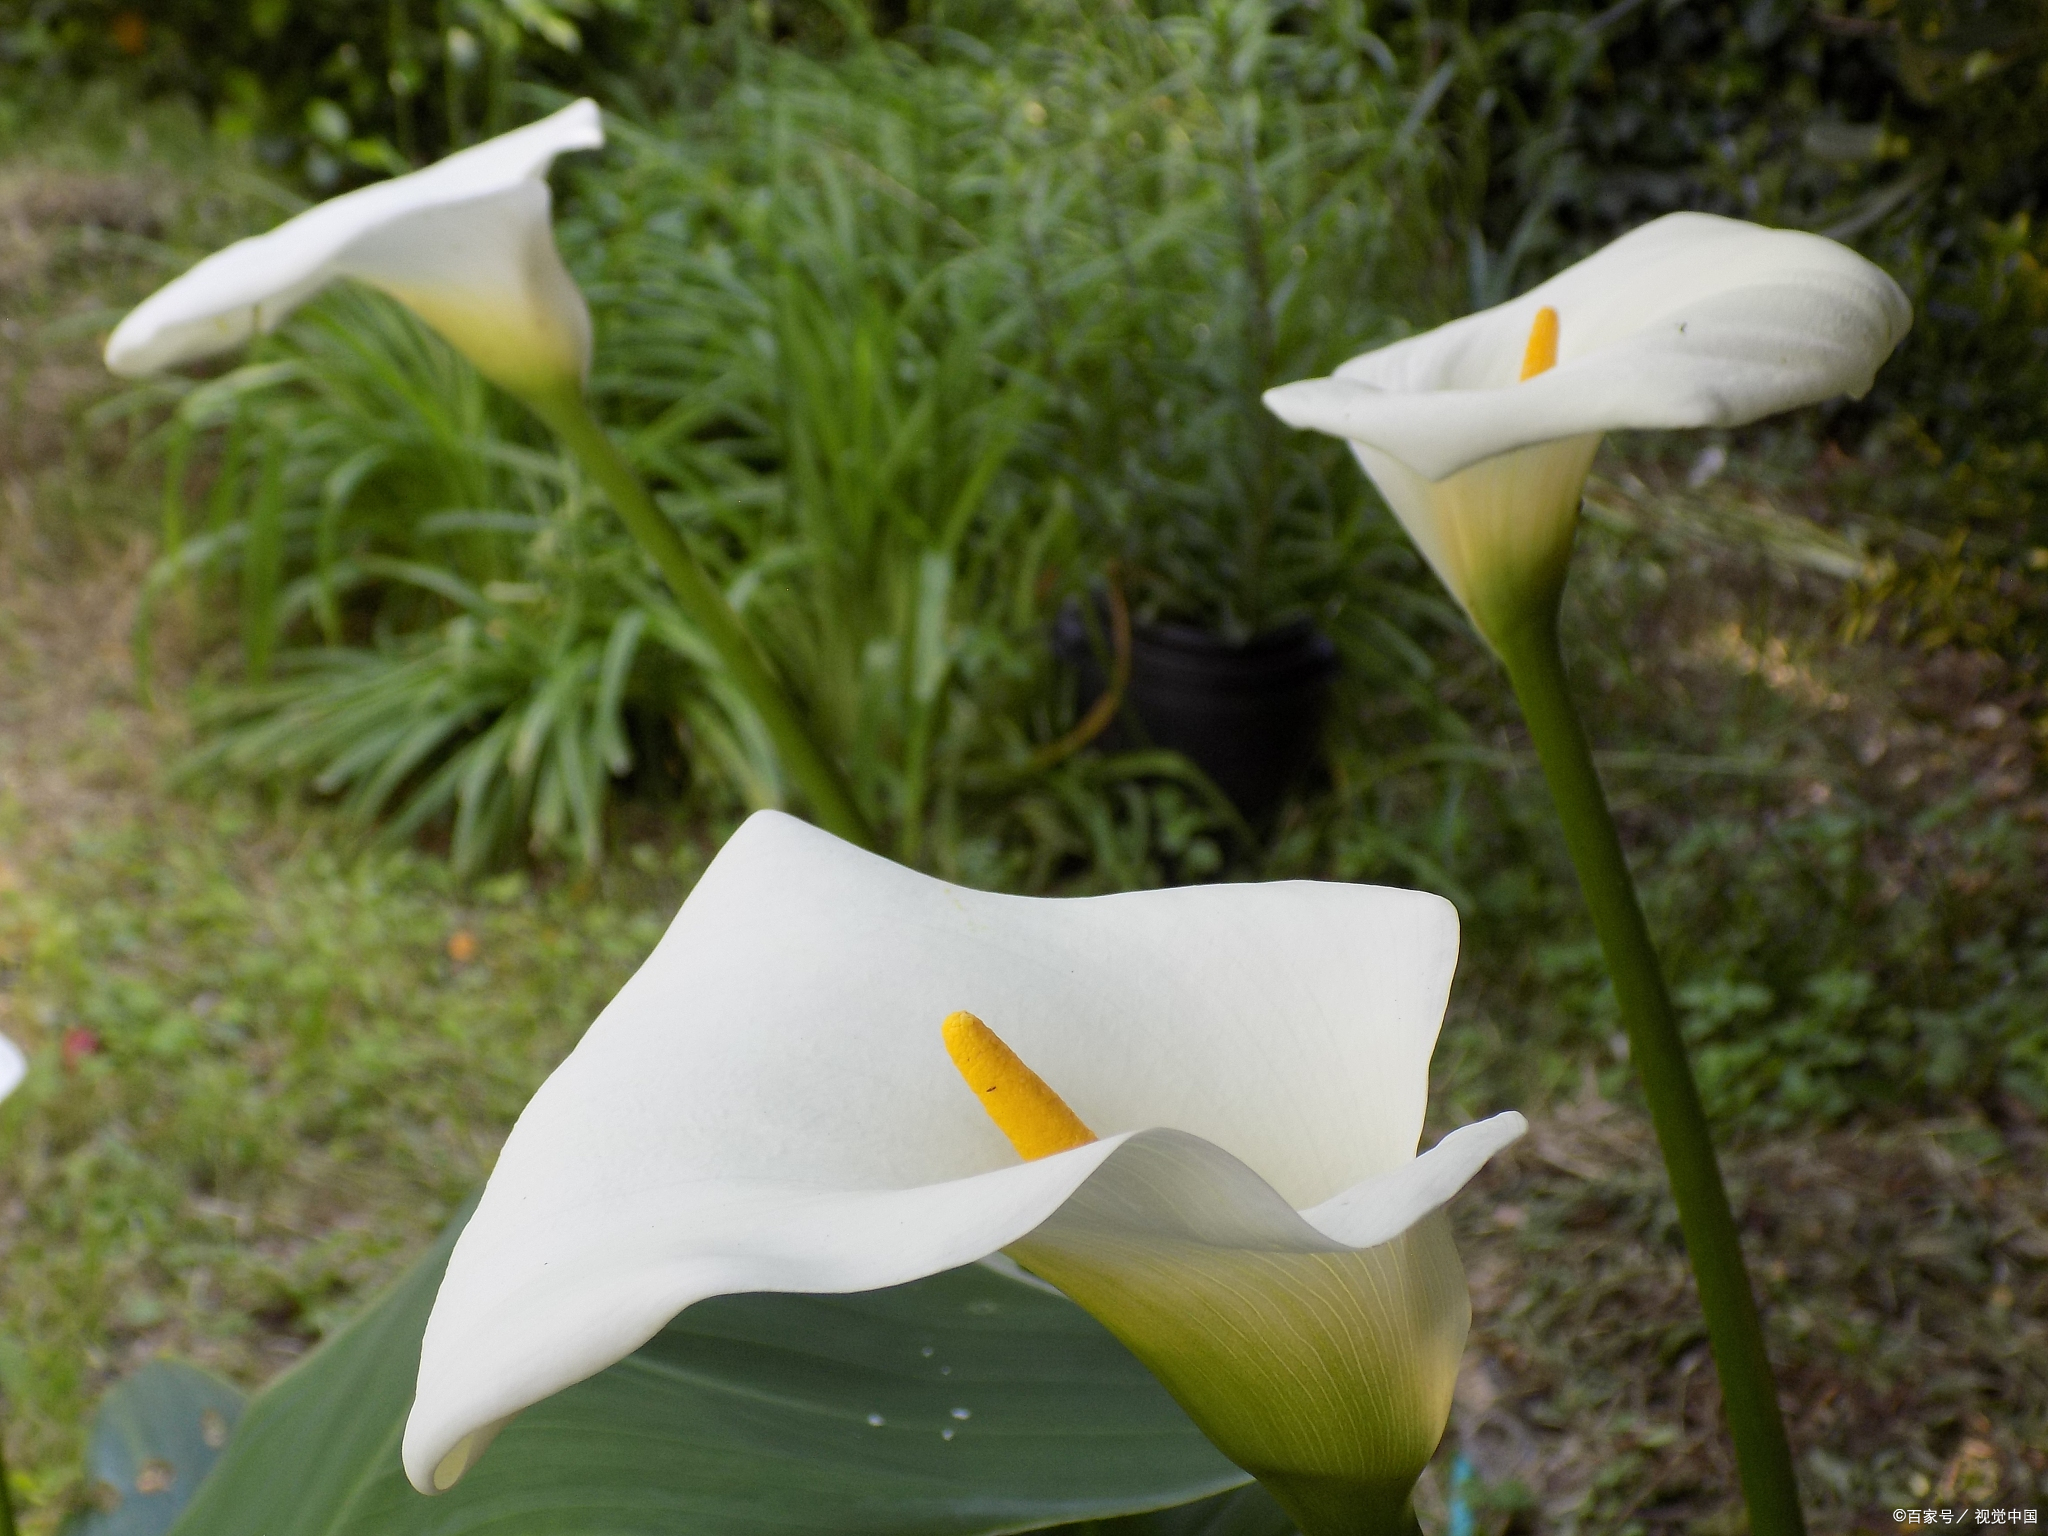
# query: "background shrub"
{"points": [[913, 348], [922, 324], [330, 90], [1911, 128]]}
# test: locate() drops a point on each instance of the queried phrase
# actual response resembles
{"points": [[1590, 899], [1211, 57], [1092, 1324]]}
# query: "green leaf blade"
{"points": [[154, 1440], [748, 1416]]}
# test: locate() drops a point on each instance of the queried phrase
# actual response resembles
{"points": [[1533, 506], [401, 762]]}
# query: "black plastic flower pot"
{"points": [[1249, 715]]}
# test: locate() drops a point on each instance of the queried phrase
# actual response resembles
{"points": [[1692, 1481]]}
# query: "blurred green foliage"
{"points": [[332, 91], [1915, 130], [1813, 991], [1531, 133], [912, 347], [918, 333]]}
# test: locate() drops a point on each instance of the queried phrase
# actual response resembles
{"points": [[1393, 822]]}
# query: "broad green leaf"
{"points": [[155, 1438], [971, 1402]]}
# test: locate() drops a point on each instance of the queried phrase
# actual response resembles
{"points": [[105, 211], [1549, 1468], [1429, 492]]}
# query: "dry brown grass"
{"points": [[1903, 1274], [75, 741]]}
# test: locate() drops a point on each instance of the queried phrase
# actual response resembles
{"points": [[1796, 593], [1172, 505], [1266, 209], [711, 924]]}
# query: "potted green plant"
{"points": [[1248, 713], [1194, 244]]}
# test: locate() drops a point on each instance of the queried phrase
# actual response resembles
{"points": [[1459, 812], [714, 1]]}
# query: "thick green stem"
{"points": [[1748, 1393], [705, 606], [6, 1494], [1337, 1507]]}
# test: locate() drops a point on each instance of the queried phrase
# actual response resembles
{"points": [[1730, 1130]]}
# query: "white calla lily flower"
{"points": [[768, 1106], [467, 243], [1690, 321], [13, 1067]]}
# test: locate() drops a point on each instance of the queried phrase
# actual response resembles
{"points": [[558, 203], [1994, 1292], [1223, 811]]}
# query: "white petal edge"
{"points": [[1200, 1189], [1308, 1361], [1692, 320], [482, 1368], [767, 1106], [1381, 1209], [251, 286], [13, 1066]]}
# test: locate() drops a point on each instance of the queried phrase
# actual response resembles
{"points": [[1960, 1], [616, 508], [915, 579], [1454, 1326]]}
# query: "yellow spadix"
{"points": [[1540, 356], [1024, 1108]]}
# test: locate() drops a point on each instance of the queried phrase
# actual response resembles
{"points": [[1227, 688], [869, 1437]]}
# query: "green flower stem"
{"points": [[1749, 1394], [1337, 1511], [6, 1495], [705, 606]]}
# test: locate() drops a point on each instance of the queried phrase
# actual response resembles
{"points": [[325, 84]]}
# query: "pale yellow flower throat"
{"points": [[1036, 1119], [1541, 354]]}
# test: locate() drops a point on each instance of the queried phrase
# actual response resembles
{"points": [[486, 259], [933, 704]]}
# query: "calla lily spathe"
{"points": [[1690, 321], [467, 243], [13, 1067], [767, 1105]]}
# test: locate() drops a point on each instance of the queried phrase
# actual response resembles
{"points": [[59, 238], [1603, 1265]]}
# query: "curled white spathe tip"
{"points": [[466, 242]]}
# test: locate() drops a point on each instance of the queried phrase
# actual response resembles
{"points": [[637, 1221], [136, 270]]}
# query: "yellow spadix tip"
{"points": [[1036, 1119], [1541, 354]]}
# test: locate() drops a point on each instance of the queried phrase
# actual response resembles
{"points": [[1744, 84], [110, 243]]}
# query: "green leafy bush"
{"points": [[1818, 989], [908, 358], [482, 659], [329, 90]]}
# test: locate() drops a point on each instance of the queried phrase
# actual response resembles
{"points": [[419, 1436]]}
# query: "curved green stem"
{"points": [[1749, 1394], [705, 606]]}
